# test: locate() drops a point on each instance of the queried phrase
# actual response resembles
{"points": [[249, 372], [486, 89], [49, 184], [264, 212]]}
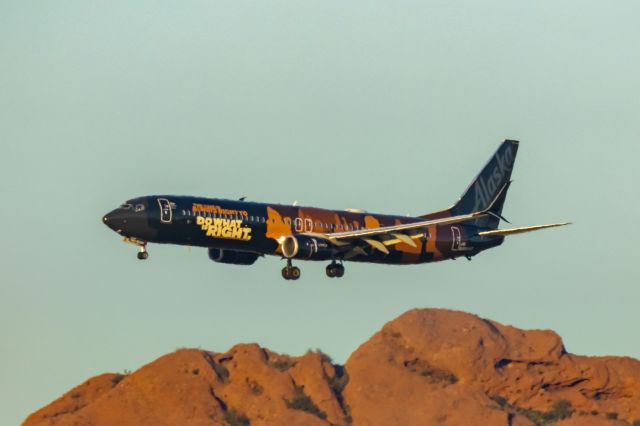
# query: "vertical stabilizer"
{"points": [[487, 185]]}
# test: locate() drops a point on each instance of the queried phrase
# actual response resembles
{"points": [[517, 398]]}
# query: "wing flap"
{"points": [[376, 245], [404, 238]]}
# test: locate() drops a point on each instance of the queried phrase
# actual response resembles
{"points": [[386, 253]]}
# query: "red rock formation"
{"points": [[427, 367], [434, 366]]}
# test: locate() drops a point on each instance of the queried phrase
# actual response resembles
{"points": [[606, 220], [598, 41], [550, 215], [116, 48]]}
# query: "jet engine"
{"points": [[232, 257], [305, 247]]}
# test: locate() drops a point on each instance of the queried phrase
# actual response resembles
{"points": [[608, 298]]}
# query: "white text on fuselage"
{"points": [[487, 189], [229, 229]]}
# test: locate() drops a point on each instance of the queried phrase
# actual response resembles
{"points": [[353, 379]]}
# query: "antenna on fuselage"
{"points": [[242, 198]]}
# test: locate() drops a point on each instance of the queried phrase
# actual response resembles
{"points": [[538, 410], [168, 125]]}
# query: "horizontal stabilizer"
{"points": [[522, 230]]}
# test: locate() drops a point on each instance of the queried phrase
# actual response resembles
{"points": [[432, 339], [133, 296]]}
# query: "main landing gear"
{"points": [[335, 270], [143, 254], [290, 272]]}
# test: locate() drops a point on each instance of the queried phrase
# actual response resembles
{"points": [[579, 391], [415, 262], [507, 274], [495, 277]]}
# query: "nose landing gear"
{"points": [[335, 270], [143, 253], [290, 272]]}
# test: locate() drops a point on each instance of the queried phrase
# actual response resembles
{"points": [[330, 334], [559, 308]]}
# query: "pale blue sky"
{"points": [[387, 106]]}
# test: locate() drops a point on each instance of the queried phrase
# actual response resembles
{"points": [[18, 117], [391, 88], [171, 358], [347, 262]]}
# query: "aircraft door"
{"points": [[165, 210], [457, 238]]}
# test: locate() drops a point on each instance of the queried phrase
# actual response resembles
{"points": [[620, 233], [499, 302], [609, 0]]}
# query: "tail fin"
{"points": [[490, 181], [490, 186]]}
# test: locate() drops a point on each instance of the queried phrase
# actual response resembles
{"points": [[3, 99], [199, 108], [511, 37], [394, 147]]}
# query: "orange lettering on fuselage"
{"points": [[217, 210]]}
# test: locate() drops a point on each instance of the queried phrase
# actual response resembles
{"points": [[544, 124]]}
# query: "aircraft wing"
{"points": [[521, 230], [381, 237]]}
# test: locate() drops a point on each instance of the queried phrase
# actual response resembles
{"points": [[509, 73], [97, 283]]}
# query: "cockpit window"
{"points": [[126, 206], [139, 207]]}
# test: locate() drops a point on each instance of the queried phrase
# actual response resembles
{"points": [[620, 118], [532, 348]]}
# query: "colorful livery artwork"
{"points": [[238, 231]]}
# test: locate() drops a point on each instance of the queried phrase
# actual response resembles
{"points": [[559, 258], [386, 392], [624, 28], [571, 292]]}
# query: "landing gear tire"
{"points": [[143, 255], [331, 273], [285, 273], [290, 272], [335, 270], [295, 273]]}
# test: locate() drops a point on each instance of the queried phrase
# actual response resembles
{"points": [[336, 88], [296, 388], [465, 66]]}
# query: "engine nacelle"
{"points": [[232, 257], [305, 247]]}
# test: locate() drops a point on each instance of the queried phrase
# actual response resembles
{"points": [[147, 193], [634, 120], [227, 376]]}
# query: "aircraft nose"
{"points": [[113, 221]]}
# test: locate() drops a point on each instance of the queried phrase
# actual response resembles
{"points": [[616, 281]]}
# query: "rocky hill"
{"points": [[426, 367]]}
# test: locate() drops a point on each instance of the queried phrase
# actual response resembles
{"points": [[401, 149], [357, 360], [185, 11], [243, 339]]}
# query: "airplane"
{"points": [[239, 232]]}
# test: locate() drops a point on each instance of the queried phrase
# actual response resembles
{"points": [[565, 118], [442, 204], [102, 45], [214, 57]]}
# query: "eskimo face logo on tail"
{"points": [[486, 187]]}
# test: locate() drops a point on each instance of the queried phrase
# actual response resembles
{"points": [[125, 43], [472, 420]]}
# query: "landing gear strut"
{"points": [[142, 245], [335, 270], [290, 272]]}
